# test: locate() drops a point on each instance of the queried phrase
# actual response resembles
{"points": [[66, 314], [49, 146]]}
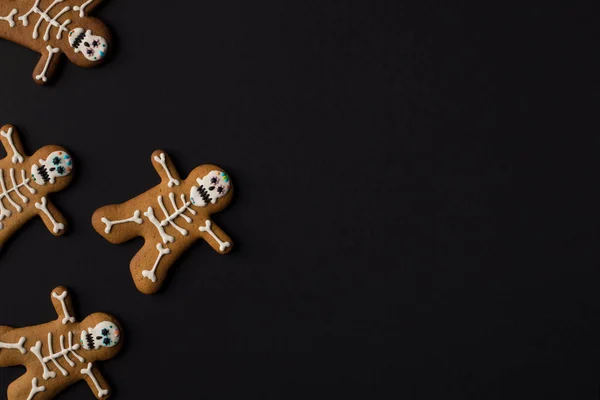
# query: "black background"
{"points": [[417, 210]]}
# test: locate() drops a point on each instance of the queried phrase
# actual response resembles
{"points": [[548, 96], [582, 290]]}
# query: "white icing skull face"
{"points": [[105, 334], [212, 187], [58, 164], [93, 47]]}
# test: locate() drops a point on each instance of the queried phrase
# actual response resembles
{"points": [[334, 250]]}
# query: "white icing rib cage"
{"points": [[13, 187]]}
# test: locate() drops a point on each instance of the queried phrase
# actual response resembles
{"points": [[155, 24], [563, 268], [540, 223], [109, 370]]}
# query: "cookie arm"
{"points": [[12, 143], [98, 385], [216, 238], [47, 65], [166, 170], [61, 300], [53, 219], [86, 7]]}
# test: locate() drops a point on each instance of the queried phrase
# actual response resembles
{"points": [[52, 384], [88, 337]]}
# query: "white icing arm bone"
{"points": [[207, 228], [81, 8], [161, 159], [61, 298], [109, 224], [10, 18], [17, 157], [151, 274], [51, 52], [43, 206], [15, 346], [35, 389], [88, 371]]}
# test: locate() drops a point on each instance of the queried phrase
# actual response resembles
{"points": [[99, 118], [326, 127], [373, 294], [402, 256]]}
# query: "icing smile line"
{"points": [[90, 340], [204, 194], [44, 173]]}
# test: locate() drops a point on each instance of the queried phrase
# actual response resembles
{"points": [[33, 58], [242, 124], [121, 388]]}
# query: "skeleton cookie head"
{"points": [[93, 47], [105, 334], [212, 187], [57, 165]]}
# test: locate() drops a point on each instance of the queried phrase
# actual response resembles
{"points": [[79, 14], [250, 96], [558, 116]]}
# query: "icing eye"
{"points": [[60, 170], [105, 332], [89, 52], [214, 180], [56, 160], [220, 189], [106, 341], [95, 43]]}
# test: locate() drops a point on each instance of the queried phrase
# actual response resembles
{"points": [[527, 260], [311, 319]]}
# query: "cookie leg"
{"points": [[28, 388], [151, 264], [117, 223]]}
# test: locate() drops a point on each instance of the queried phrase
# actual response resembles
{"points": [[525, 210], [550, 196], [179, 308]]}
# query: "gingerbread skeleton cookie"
{"points": [[57, 354], [170, 217], [25, 183], [55, 27]]}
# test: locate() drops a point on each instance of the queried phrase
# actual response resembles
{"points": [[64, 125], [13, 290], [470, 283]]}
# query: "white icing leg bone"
{"points": [[51, 52], [136, 218], [57, 226], [35, 389], [207, 228], [151, 274], [161, 160], [15, 346], [165, 237], [81, 8], [17, 157], [61, 298], [88, 371]]}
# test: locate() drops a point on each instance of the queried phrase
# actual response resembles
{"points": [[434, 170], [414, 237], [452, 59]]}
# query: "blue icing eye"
{"points": [[106, 341]]}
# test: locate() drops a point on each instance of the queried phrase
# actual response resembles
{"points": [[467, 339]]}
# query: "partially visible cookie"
{"points": [[59, 353], [170, 217], [55, 27], [25, 183]]}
